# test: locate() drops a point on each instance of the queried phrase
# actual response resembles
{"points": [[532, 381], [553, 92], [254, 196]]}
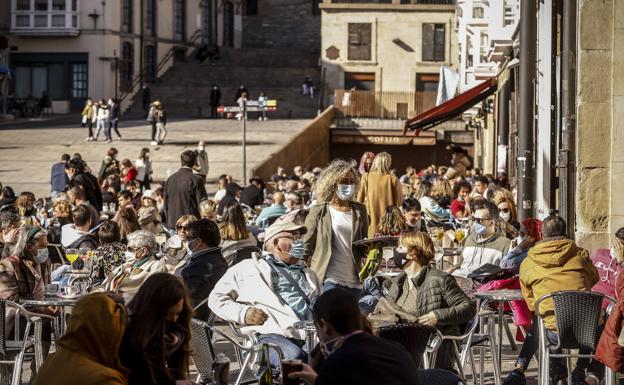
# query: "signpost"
{"points": [[248, 106]]}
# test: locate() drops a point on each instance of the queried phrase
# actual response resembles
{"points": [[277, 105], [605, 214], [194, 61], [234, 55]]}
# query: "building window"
{"points": [[150, 19], [150, 63], [23, 5], [477, 12], [252, 7], [433, 39], [427, 82], [126, 15], [469, 61], [79, 80], [58, 5], [362, 81], [127, 62], [179, 25], [41, 5], [359, 41]]}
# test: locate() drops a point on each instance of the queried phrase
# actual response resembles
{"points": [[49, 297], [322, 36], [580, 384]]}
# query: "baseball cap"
{"points": [[281, 227]]}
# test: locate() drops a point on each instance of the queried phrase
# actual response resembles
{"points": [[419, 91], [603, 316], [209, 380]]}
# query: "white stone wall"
{"points": [[395, 68]]}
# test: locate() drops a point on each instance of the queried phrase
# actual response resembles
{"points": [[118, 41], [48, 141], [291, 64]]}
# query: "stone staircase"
{"points": [[185, 88]]}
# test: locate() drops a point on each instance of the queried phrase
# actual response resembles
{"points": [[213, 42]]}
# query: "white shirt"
{"points": [[341, 269]]}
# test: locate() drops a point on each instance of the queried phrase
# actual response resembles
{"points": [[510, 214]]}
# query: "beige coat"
{"points": [[378, 192], [131, 282]]}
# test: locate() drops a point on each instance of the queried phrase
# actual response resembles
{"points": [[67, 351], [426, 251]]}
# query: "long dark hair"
{"points": [[148, 310]]}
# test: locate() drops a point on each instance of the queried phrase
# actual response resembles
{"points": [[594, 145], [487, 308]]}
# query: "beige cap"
{"points": [[282, 227]]}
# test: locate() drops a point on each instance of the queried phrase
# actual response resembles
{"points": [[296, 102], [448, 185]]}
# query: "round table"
{"points": [[501, 296], [53, 301]]}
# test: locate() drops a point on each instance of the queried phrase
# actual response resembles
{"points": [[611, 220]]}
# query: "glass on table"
{"points": [[387, 253], [71, 255]]}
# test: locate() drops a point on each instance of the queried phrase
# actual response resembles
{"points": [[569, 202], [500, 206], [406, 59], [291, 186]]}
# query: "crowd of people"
{"points": [[305, 245]]}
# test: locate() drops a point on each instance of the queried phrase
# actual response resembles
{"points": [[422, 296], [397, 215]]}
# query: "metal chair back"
{"points": [[577, 314], [203, 350], [3, 349], [413, 336], [245, 253]]}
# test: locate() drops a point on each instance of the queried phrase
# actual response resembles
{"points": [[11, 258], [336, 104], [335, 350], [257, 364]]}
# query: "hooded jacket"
{"points": [[89, 350], [610, 350], [75, 239], [478, 252], [555, 264]]}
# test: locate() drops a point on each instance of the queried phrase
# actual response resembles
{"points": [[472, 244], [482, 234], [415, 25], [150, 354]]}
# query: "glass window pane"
{"points": [[41, 20], [23, 5], [58, 5], [22, 82], [57, 81], [41, 5], [74, 5], [22, 20], [58, 20], [40, 81]]}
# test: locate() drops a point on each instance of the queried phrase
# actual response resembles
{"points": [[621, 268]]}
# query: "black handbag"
{"points": [[489, 272]]}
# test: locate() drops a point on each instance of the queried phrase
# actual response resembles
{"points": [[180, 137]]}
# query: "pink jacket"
{"points": [[608, 271], [520, 310]]}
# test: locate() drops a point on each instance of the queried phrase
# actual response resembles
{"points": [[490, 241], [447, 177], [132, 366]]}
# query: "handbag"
{"points": [[489, 272]]}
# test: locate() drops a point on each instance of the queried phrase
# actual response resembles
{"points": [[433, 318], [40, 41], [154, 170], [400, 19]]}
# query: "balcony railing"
{"points": [[48, 23], [383, 105]]}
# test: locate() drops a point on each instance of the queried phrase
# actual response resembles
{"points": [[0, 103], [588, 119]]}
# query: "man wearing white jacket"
{"points": [[270, 292]]}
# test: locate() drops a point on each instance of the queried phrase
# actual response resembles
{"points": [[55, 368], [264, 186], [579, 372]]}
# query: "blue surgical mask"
{"points": [[480, 229], [297, 249], [42, 255], [345, 191]]}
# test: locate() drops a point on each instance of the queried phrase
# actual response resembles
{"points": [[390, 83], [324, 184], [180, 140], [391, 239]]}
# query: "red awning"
{"points": [[452, 107]]}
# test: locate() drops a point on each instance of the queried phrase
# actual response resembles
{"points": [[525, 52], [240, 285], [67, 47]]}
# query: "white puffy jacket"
{"points": [[248, 284]]}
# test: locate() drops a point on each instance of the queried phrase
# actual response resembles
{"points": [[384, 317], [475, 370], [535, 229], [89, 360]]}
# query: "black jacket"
{"points": [[90, 185], [183, 192], [366, 359], [252, 196], [215, 97], [439, 293], [230, 197], [200, 274]]}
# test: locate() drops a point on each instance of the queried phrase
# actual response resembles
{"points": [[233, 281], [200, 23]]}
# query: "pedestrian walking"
{"points": [[102, 119], [215, 100], [160, 116], [308, 87], [262, 103], [88, 117], [240, 91], [202, 166], [143, 166], [113, 106], [152, 122]]}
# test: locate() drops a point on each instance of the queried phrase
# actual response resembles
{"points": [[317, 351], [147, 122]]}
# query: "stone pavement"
{"points": [[28, 151]]}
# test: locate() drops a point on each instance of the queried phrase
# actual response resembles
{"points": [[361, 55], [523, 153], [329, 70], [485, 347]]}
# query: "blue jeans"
{"points": [[291, 348], [371, 292], [365, 303]]}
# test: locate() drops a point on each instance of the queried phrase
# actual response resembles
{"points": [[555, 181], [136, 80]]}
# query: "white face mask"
{"points": [[505, 216], [130, 256]]}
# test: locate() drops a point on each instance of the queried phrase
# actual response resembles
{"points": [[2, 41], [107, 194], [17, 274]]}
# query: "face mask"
{"points": [[345, 191], [130, 256], [327, 348], [188, 248], [461, 198], [613, 253], [42, 255], [505, 216], [297, 249], [200, 149], [400, 257], [480, 229]]}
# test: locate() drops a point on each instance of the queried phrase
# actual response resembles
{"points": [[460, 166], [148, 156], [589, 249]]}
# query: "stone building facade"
{"points": [[600, 126], [386, 47]]}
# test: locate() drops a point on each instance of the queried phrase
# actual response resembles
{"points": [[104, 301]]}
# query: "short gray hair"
{"points": [[143, 238]]}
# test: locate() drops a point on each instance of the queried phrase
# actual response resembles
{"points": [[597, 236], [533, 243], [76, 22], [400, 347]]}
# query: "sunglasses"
{"points": [[480, 220], [182, 227]]}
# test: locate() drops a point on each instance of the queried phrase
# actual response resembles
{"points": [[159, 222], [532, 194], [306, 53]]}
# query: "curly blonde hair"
{"points": [[331, 175]]}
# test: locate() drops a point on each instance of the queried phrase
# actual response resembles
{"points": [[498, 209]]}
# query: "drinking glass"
{"points": [[72, 255], [387, 253]]}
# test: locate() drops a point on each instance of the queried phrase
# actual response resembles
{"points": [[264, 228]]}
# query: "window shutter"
{"points": [[439, 42], [359, 41]]}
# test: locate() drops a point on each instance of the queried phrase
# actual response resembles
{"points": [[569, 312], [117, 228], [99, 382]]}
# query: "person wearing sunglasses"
{"points": [[176, 253], [482, 246]]}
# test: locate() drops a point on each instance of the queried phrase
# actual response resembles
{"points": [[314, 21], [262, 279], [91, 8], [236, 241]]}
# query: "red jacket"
{"points": [[130, 175], [608, 351]]}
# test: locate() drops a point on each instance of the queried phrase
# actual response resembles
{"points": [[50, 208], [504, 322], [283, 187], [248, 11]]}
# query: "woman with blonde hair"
{"points": [[333, 224], [393, 223], [25, 204], [507, 213], [442, 192], [429, 294], [176, 254], [378, 190], [234, 232], [430, 207]]}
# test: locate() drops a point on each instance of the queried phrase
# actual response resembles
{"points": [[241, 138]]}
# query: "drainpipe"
{"points": [[526, 116], [567, 152], [141, 42], [502, 120]]}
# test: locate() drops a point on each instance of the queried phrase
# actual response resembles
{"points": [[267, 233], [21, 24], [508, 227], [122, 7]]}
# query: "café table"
{"points": [[53, 300], [502, 297], [310, 334]]}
